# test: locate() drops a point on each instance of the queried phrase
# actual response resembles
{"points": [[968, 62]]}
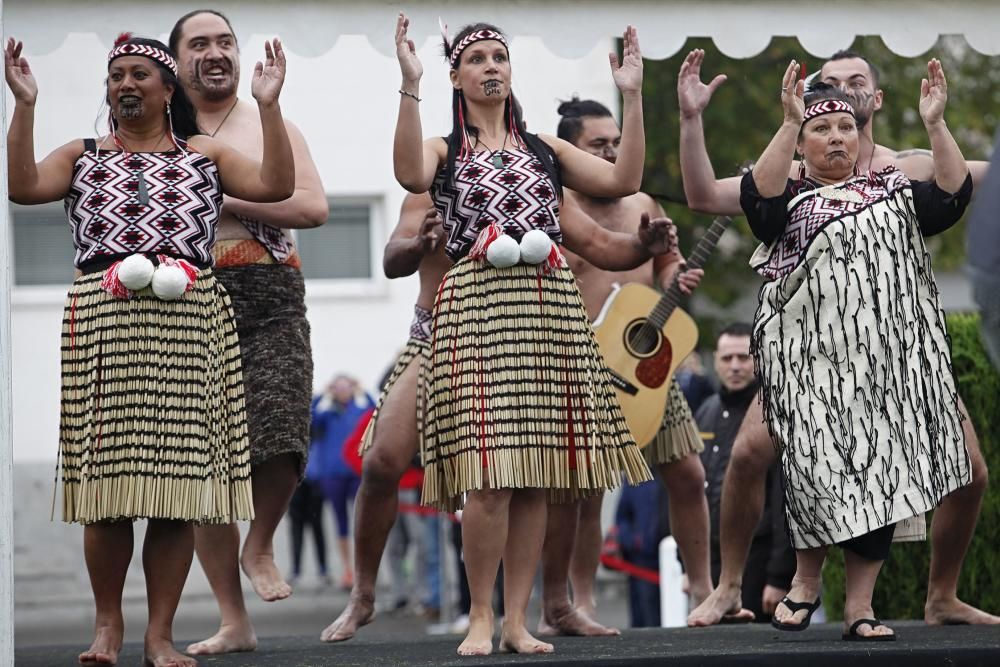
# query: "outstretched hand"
{"points": [[628, 73], [693, 95], [657, 235], [793, 93], [933, 93], [406, 52], [20, 80], [269, 76]]}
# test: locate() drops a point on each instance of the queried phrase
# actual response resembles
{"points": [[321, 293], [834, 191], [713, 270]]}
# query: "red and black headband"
{"points": [[125, 48], [472, 38], [824, 107]]}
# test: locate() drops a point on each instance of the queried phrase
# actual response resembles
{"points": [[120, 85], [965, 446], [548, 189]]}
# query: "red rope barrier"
{"points": [[616, 563], [426, 511]]}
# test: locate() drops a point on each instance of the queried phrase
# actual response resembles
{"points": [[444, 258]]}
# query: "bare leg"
{"points": [[218, 548], [166, 560], [685, 482], [274, 482], [484, 536], [107, 549], [522, 550], [394, 446], [806, 585], [587, 556], [742, 505], [862, 574], [564, 534], [951, 532]]}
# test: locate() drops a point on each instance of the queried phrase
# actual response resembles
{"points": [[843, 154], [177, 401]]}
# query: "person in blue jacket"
{"points": [[641, 521]]}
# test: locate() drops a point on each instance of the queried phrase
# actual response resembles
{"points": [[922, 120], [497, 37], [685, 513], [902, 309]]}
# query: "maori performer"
{"points": [[153, 423], [258, 264], [517, 399], [753, 450], [575, 527], [850, 339]]}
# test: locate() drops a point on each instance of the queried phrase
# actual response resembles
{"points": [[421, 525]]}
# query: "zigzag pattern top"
{"points": [[471, 38], [109, 222], [813, 208], [518, 196], [824, 107], [145, 50]]}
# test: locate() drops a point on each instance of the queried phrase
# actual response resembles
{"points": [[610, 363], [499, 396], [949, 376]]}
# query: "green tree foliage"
{"points": [[746, 112], [902, 585]]}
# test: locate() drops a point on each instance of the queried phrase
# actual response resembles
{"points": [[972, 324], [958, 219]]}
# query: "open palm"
{"points": [[933, 93], [20, 80], [406, 51], [269, 76], [628, 73]]}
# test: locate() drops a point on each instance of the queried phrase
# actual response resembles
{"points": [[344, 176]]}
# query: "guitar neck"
{"points": [[672, 297]]}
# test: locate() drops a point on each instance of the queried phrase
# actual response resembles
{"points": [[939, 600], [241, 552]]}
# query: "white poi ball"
{"points": [[169, 282], [535, 247], [503, 252], [135, 271]]}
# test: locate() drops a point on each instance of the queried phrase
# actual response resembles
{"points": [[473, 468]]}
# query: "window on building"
{"points": [[43, 246], [342, 248]]}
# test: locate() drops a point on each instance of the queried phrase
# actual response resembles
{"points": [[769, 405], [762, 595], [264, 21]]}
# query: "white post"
{"points": [[673, 600], [6, 411]]}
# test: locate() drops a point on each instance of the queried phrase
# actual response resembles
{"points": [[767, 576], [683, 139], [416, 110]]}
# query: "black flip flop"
{"points": [[794, 607], [852, 634]]}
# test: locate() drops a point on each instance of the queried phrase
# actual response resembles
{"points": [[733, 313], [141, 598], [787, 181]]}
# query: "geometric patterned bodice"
{"points": [[109, 220], [518, 196]]}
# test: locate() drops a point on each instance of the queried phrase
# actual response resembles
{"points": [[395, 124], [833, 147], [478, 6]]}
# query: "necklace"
{"points": [[142, 188], [496, 156], [224, 118]]}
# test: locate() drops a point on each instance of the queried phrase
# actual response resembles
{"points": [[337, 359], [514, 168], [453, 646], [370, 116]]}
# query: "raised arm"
{"points": [[273, 178], [414, 161], [417, 234], [950, 168], [589, 174], [771, 171], [615, 251], [703, 191], [28, 182], [307, 207]]}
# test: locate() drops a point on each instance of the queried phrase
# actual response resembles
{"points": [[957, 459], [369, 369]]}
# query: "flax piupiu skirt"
{"points": [[153, 423], [516, 392]]}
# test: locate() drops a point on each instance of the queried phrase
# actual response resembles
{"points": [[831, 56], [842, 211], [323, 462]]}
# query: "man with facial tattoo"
{"points": [[753, 450], [257, 262]]}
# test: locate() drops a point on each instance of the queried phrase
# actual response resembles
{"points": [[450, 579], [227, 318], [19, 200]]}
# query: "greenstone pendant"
{"points": [[497, 160]]}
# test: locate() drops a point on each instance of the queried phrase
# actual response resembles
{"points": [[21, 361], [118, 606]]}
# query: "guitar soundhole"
{"points": [[642, 341]]}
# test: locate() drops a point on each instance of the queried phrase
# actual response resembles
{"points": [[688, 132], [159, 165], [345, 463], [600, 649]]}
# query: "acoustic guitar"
{"points": [[644, 336]]}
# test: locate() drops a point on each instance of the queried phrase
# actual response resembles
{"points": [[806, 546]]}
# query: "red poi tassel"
{"points": [[186, 266], [487, 236], [112, 285]]}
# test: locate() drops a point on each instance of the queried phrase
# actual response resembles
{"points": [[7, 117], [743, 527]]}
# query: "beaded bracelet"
{"points": [[403, 92]]}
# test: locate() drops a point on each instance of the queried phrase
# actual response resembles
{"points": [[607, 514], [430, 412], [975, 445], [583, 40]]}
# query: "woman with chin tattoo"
{"points": [[516, 400], [152, 418]]}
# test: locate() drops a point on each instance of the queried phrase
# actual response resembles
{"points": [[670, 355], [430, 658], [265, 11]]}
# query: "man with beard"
{"points": [[767, 575], [753, 450], [575, 527], [257, 263]]}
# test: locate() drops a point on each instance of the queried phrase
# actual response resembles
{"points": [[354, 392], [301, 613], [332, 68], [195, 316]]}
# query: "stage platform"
{"points": [[818, 646]]}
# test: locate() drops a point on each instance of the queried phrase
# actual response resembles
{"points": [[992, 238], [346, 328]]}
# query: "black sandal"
{"points": [[852, 634], [795, 607]]}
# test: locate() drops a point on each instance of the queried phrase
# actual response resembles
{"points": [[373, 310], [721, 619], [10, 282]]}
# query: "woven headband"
{"points": [[145, 50], [825, 107], [472, 38]]}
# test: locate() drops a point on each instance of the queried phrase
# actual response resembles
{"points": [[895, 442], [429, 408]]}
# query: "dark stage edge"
{"points": [[819, 646]]}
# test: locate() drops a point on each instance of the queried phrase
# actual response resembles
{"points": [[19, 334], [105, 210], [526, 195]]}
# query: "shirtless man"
{"points": [[575, 527], [753, 450], [391, 441], [257, 263]]}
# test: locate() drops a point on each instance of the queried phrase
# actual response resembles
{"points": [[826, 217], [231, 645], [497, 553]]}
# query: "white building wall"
{"points": [[344, 101]]}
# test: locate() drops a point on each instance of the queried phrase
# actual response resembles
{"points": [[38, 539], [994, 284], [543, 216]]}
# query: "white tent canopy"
{"points": [[569, 28]]}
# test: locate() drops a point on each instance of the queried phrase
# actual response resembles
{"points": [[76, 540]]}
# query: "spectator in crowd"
{"points": [[771, 563], [641, 521], [305, 510], [335, 415], [695, 386]]}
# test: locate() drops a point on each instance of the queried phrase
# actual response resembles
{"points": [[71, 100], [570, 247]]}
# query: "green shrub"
{"points": [[902, 585]]}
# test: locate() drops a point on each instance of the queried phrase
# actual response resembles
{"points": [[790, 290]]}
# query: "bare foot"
{"points": [[229, 639], [564, 620], [806, 589], [956, 612], [724, 604], [360, 611], [479, 639], [104, 650], [159, 652], [517, 639], [265, 577]]}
